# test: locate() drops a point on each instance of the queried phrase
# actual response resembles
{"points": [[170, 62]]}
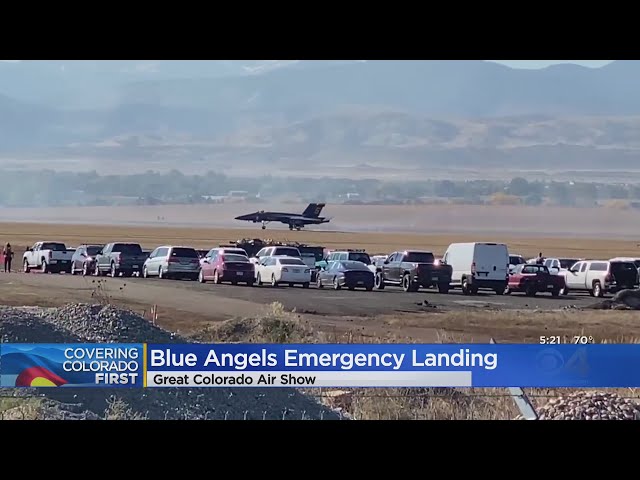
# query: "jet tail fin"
{"points": [[313, 210]]}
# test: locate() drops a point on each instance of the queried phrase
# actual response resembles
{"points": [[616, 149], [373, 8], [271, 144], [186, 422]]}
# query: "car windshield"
{"points": [[291, 261], [235, 258], [286, 252], [93, 249], [535, 269], [516, 260], [234, 251], [419, 257], [567, 263], [360, 257], [56, 247], [184, 253], [127, 248], [353, 266]]}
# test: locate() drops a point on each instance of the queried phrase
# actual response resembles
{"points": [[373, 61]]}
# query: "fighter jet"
{"points": [[311, 216]]}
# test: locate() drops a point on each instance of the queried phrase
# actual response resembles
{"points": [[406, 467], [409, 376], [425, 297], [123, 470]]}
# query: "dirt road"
{"points": [[224, 301]]}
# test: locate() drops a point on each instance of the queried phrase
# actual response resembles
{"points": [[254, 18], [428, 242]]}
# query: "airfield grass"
{"points": [[22, 235]]}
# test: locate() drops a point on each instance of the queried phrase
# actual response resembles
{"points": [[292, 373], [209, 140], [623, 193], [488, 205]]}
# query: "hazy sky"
{"points": [[546, 63], [519, 63]]}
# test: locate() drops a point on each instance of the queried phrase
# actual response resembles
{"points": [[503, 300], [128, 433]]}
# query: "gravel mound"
{"points": [[590, 406], [107, 324], [24, 325]]}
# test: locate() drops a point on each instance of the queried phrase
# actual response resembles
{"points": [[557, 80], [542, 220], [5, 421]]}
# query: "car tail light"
{"points": [[285, 269], [308, 270], [608, 278], [118, 259], [473, 268], [50, 253], [173, 260]]}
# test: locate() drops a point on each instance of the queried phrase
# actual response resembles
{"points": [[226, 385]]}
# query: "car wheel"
{"points": [[273, 281], [597, 290], [259, 280], [201, 278], [499, 291], [72, 269], [160, 273], [465, 287], [379, 281], [114, 271], [564, 291], [44, 268], [85, 270], [443, 288], [530, 291], [319, 282], [555, 293], [406, 283], [145, 272], [305, 285], [25, 267], [369, 289], [507, 291], [216, 278], [336, 284]]}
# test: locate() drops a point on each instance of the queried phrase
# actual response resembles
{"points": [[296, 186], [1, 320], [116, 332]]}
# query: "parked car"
{"points": [[478, 266], [413, 269], [346, 273], [635, 261], [599, 277], [83, 259], [52, 257], [172, 262], [533, 279], [227, 267], [343, 256], [202, 253], [556, 265], [515, 260], [119, 258], [276, 252], [278, 270]]}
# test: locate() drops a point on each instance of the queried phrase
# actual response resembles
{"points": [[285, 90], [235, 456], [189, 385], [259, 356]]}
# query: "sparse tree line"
{"points": [[50, 188]]}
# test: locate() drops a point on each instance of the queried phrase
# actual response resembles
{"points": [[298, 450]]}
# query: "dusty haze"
{"points": [[476, 220]]}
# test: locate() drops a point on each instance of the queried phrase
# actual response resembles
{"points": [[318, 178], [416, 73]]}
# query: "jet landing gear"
{"points": [[264, 225], [292, 226]]}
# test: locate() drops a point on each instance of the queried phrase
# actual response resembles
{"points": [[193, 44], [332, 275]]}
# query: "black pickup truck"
{"points": [[120, 258], [413, 269]]}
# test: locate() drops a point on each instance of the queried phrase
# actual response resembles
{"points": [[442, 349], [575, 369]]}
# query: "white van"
{"points": [[478, 266]]}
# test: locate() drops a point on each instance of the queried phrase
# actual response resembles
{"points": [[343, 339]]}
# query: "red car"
{"points": [[227, 267], [533, 279]]}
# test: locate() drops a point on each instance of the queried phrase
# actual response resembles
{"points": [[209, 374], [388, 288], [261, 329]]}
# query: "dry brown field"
{"points": [[21, 235]]}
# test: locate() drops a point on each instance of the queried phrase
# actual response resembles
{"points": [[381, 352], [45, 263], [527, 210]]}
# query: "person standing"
{"points": [[7, 252]]}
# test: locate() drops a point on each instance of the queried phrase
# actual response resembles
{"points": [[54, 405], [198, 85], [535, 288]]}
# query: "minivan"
{"points": [[478, 266], [172, 262]]}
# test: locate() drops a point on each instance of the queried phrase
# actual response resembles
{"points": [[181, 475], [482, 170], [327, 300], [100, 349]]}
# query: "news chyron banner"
{"points": [[336, 366], [71, 365]]}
